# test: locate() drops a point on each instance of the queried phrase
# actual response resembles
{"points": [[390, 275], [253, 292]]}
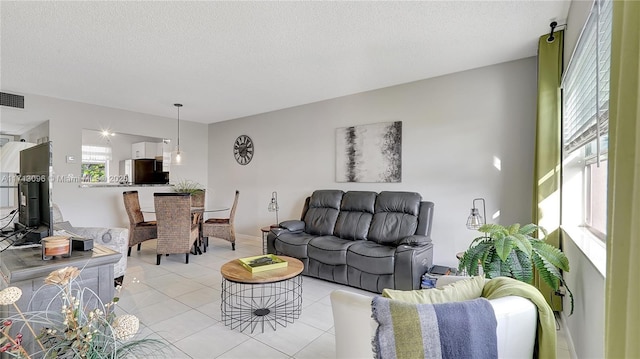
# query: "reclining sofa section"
{"points": [[362, 239]]}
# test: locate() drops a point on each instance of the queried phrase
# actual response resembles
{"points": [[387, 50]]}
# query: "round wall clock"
{"points": [[243, 149]]}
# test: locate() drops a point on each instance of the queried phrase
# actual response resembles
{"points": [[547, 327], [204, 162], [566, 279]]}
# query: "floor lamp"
{"points": [[475, 220], [273, 207]]}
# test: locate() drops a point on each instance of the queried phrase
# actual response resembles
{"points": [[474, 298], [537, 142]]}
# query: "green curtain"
{"points": [[622, 301], [548, 150]]}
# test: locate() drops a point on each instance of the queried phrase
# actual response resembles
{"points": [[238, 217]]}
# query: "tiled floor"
{"points": [[181, 303]]}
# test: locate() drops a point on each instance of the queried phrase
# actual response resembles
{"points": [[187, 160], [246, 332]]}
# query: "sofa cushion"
{"points": [[329, 250], [293, 244], [370, 257], [324, 206], [396, 217], [356, 212], [462, 290]]}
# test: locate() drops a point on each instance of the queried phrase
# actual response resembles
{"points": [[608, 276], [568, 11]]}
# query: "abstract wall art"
{"points": [[369, 153]]}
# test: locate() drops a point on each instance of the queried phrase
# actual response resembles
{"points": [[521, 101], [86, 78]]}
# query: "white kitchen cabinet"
{"points": [[145, 150]]}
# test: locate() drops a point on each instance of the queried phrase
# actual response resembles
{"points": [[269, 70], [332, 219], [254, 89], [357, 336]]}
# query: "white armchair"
{"points": [[354, 327], [113, 238]]}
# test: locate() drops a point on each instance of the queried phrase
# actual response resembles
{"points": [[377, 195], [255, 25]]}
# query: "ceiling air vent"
{"points": [[11, 100]]}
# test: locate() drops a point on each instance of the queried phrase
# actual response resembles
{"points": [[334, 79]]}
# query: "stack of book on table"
{"points": [[263, 263]]}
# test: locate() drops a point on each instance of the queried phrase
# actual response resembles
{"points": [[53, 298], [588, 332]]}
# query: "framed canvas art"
{"points": [[369, 153]]}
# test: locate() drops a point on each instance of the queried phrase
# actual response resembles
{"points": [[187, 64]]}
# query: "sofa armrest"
{"points": [[113, 238], [353, 324], [411, 262], [293, 226], [415, 240]]}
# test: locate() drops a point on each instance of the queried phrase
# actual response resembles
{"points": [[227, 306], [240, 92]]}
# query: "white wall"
{"points": [[103, 206], [586, 325], [454, 129]]}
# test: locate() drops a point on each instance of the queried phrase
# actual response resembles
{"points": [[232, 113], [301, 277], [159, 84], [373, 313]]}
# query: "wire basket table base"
{"points": [[252, 305]]}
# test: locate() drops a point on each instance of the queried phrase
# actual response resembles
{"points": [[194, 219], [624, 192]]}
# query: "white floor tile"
{"points": [[253, 349], [155, 313], [290, 339], [182, 326], [211, 342], [200, 297], [322, 348], [317, 315]]}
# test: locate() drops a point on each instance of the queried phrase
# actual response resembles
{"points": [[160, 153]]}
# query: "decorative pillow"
{"points": [[461, 290], [448, 330]]}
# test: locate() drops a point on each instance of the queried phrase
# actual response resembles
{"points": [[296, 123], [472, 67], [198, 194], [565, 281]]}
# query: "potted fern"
{"points": [[513, 252]]}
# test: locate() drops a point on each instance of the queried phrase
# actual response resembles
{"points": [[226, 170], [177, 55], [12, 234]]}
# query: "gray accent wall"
{"points": [[465, 135]]}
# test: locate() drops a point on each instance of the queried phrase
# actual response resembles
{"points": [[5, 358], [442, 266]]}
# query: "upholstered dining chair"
{"points": [[139, 229], [222, 227], [176, 231]]}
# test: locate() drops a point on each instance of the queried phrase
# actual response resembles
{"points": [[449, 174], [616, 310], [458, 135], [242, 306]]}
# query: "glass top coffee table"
{"points": [[251, 299]]}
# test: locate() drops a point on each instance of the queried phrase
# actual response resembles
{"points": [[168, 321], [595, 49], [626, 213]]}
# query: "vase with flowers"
{"points": [[82, 327]]}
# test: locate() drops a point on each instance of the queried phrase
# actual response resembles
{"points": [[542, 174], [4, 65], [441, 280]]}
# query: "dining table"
{"points": [[197, 215]]}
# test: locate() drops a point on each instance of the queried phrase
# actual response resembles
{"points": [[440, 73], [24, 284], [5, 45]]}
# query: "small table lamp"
{"points": [[273, 206], [475, 220]]}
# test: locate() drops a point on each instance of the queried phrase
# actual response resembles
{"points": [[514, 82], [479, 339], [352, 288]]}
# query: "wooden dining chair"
{"points": [[222, 227], [139, 229], [176, 231]]}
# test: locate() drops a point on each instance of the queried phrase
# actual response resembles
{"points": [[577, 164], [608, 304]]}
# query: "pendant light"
{"points": [[178, 154]]}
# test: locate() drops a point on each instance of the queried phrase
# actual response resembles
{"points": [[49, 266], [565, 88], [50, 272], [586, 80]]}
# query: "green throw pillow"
{"points": [[459, 291]]}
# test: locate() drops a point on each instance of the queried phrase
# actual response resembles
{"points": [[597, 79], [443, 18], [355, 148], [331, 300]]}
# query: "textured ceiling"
{"points": [[225, 60]]}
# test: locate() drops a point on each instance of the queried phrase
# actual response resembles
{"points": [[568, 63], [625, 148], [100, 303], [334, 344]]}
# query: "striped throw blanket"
{"points": [[448, 330]]}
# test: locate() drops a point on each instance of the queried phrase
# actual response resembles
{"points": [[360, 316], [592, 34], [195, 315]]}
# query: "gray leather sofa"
{"points": [[362, 239]]}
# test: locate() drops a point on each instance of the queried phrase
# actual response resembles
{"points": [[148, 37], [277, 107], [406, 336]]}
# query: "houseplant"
{"points": [[513, 252], [195, 189], [75, 324]]}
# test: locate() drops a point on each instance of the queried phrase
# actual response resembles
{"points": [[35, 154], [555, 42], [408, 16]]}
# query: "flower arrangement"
{"points": [[84, 327]]}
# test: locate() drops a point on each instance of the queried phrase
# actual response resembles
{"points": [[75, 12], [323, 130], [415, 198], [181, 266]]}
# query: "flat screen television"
{"points": [[35, 216]]}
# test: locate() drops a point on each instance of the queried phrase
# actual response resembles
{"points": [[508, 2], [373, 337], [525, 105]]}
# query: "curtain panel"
{"points": [[548, 153], [622, 287]]}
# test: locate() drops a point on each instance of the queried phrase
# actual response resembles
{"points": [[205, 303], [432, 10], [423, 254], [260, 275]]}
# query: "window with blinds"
{"points": [[96, 154], [586, 86], [585, 124]]}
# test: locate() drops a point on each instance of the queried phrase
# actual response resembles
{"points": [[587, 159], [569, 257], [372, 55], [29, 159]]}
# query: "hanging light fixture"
{"points": [[178, 154]]}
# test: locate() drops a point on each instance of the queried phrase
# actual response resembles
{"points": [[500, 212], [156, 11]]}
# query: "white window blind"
{"points": [[96, 154], [586, 84]]}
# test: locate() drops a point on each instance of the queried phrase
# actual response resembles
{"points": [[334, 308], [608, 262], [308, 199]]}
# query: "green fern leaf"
{"points": [[513, 228], [547, 272], [492, 228], [473, 256], [528, 229], [495, 267], [492, 265], [551, 254], [522, 243], [504, 246], [521, 266]]}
